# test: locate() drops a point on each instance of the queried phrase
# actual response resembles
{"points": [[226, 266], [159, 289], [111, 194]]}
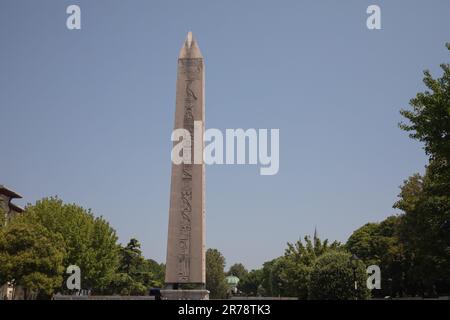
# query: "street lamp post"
{"points": [[354, 259]]}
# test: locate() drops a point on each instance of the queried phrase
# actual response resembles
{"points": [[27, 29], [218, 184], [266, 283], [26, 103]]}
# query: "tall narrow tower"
{"points": [[185, 263]]}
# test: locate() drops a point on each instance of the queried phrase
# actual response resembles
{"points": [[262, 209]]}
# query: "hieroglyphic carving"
{"points": [[191, 69], [187, 171], [188, 113]]}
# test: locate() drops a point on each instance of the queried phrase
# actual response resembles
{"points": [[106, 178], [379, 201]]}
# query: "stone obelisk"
{"points": [[185, 262]]}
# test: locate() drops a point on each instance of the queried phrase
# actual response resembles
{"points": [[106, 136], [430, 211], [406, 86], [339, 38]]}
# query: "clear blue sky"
{"points": [[87, 115]]}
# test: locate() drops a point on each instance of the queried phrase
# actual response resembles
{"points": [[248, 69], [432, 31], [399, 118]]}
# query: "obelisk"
{"points": [[185, 261]]}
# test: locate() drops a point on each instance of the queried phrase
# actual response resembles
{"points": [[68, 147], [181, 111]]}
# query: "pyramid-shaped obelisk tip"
{"points": [[190, 49], [189, 39]]}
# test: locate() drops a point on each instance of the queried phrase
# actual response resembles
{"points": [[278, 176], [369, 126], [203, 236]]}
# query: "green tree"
{"points": [[125, 285], [379, 244], [89, 241], [130, 273], [215, 275], [429, 119], [135, 274], [250, 283], [425, 242], [425, 200], [237, 270], [332, 278], [271, 282], [158, 270], [31, 257], [363, 243], [151, 274], [131, 257], [296, 265]]}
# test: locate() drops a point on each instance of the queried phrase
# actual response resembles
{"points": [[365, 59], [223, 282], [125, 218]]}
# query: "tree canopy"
{"points": [[90, 242], [425, 200], [237, 270], [333, 276], [215, 275], [136, 275], [429, 118], [84, 240], [32, 257]]}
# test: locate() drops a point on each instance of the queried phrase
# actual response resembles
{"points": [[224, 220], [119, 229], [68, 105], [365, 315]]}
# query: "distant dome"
{"points": [[232, 280]]}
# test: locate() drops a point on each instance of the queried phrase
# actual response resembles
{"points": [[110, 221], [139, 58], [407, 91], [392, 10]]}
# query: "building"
{"points": [[8, 210], [232, 282]]}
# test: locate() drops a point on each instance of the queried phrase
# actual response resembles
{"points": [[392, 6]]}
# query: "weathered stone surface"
{"points": [[185, 261]]}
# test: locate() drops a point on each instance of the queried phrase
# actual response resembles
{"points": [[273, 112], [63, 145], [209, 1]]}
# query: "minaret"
{"points": [[185, 261], [316, 236]]}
